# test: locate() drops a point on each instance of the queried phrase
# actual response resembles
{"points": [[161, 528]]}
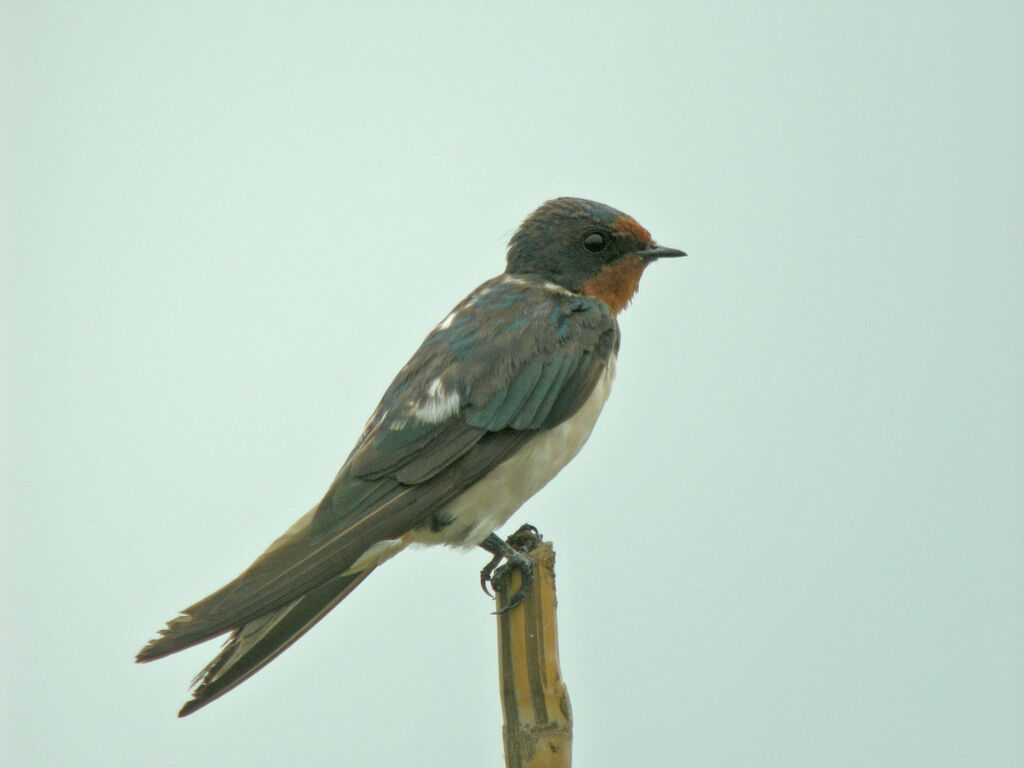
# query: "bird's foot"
{"points": [[512, 551]]}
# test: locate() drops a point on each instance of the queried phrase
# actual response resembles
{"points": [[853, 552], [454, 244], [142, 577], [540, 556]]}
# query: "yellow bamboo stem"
{"points": [[538, 719]]}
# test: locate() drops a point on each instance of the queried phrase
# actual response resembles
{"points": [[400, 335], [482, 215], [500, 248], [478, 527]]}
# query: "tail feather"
{"points": [[257, 643]]}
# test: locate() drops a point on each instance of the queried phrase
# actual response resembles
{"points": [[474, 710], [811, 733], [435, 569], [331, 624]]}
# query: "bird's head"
{"points": [[585, 247]]}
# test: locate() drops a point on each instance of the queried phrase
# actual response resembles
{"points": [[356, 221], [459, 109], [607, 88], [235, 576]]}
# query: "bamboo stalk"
{"points": [[538, 719]]}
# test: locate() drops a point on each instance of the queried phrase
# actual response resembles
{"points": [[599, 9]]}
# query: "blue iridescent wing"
{"points": [[516, 356], [513, 358]]}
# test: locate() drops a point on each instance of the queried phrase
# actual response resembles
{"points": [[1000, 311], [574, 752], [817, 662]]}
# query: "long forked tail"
{"points": [[257, 643]]}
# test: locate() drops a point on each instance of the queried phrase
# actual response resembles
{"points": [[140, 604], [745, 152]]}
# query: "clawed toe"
{"points": [[525, 566], [510, 552], [486, 575]]}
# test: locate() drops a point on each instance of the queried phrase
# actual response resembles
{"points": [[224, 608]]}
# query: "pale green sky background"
{"points": [[796, 537]]}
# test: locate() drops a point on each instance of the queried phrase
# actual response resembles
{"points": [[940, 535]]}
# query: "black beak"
{"points": [[659, 252]]}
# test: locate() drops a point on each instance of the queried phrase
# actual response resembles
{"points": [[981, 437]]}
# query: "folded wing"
{"points": [[513, 358]]}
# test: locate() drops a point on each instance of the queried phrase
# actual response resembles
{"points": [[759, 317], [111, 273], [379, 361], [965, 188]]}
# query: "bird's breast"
{"points": [[492, 500]]}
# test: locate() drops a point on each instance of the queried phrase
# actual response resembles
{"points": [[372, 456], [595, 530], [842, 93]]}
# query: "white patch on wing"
{"points": [[547, 285], [445, 324], [556, 288], [373, 422], [492, 500], [439, 404]]}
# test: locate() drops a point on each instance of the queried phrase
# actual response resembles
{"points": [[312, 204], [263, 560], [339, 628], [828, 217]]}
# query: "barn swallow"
{"points": [[500, 396]]}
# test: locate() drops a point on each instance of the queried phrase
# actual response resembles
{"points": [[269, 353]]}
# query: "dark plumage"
{"points": [[497, 398]]}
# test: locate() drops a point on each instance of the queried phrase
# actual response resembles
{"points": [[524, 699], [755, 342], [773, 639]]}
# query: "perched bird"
{"points": [[498, 398]]}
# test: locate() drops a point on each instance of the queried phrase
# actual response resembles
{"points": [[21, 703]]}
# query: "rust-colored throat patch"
{"points": [[617, 283]]}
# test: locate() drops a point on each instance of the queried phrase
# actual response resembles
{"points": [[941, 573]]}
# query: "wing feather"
{"points": [[496, 382]]}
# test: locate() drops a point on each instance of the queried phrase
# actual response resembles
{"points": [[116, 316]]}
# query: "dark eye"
{"points": [[594, 242]]}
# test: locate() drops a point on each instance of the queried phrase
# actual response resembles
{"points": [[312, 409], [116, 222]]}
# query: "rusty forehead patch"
{"points": [[628, 225]]}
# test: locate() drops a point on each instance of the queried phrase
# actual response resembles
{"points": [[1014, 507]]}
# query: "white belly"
{"points": [[493, 499]]}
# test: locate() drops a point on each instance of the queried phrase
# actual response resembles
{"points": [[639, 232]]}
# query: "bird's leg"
{"points": [[493, 543], [510, 551], [503, 550]]}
